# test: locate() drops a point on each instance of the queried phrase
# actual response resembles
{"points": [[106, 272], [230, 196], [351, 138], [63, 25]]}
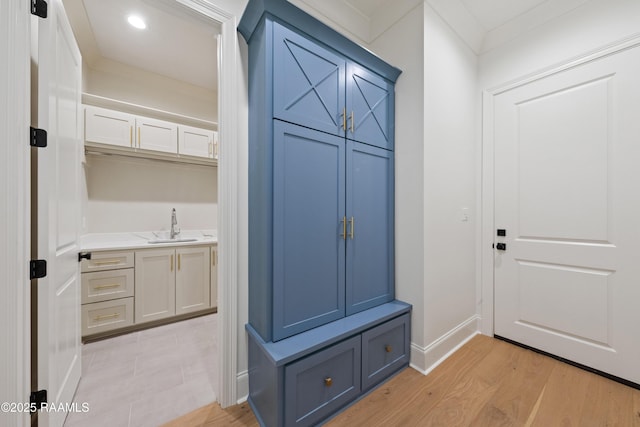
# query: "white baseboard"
{"points": [[242, 380], [425, 359]]}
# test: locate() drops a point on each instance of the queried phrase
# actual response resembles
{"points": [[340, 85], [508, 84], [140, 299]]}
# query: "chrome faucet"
{"points": [[174, 221]]}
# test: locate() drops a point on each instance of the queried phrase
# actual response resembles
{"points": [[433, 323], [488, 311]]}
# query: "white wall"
{"points": [[119, 81], [451, 101], [130, 194], [436, 124], [595, 24], [409, 165]]}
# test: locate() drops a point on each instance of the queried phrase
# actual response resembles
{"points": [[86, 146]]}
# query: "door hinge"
{"points": [[36, 399], [39, 8], [37, 269], [38, 138]]}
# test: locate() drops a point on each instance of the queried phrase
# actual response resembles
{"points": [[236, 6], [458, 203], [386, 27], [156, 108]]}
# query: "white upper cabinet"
{"points": [[128, 134], [157, 135], [195, 142], [109, 127]]}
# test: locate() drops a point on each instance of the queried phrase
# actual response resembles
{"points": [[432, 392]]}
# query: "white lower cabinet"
{"points": [[107, 315], [171, 281], [107, 291], [128, 287], [155, 284], [192, 279]]}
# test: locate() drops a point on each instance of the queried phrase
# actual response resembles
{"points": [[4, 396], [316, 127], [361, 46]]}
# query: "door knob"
{"points": [[501, 246]]}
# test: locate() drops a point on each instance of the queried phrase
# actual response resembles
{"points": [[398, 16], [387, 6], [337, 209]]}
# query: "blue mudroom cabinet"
{"points": [[324, 325]]}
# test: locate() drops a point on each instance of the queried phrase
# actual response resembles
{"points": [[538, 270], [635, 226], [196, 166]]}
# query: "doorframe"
{"points": [[15, 207], [487, 186], [228, 186]]}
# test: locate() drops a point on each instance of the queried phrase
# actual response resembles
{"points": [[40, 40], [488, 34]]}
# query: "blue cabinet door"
{"points": [[308, 82], [370, 216], [308, 208], [370, 107]]}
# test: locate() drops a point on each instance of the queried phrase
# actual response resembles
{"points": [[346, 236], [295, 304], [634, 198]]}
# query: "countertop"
{"points": [[140, 240]]}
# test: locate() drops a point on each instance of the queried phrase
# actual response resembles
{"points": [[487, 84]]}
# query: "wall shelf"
{"points": [[141, 110], [91, 148]]}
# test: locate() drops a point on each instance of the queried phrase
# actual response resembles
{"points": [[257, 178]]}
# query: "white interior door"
{"points": [[58, 211], [567, 167]]}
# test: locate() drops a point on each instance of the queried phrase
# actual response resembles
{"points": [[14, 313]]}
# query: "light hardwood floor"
{"points": [[486, 383]]}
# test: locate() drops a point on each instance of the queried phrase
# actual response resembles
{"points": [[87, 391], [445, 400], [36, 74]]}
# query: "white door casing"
{"points": [[15, 27], [566, 157], [60, 113], [232, 222]]}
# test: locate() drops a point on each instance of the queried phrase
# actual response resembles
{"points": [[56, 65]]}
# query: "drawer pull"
{"points": [[388, 348], [106, 316], [328, 382], [110, 286], [107, 262]]}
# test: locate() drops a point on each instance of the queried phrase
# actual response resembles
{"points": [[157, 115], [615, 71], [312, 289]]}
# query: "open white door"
{"points": [[566, 171], [58, 211]]}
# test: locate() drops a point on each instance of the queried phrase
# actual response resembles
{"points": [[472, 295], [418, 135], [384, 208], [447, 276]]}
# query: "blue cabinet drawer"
{"points": [[385, 349], [318, 385]]}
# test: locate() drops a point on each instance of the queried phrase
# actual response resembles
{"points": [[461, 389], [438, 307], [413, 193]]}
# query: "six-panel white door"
{"points": [[567, 164], [58, 213]]}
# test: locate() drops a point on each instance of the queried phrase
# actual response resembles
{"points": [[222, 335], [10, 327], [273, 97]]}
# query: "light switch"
{"points": [[464, 217]]}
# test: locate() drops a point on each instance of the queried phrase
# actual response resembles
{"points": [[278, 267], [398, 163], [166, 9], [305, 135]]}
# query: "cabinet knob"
{"points": [[328, 381], [388, 348]]}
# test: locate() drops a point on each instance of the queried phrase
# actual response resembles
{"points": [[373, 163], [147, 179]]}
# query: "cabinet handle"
{"points": [[107, 262], [179, 256], [344, 228], [215, 149], [353, 227], [139, 139], [210, 148], [110, 286], [106, 316], [131, 136], [353, 126], [171, 262], [328, 382], [344, 118], [388, 348], [214, 258]]}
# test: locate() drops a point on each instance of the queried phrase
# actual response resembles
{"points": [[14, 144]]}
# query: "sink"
{"points": [[178, 240]]}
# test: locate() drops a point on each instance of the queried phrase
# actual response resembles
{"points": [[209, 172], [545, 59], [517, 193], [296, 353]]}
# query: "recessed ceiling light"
{"points": [[137, 22]]}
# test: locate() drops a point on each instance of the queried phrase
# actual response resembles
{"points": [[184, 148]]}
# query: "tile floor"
{"points": [[149, 377]]}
